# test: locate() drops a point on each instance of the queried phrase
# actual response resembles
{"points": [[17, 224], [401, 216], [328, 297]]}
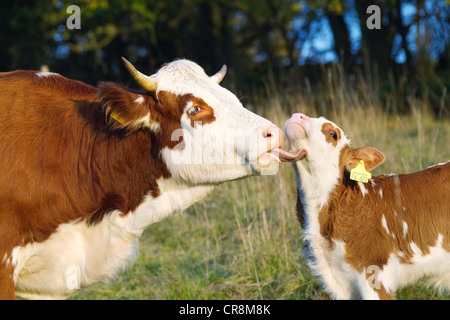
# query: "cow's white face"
{"points": [[221, 139], [206, 135]]}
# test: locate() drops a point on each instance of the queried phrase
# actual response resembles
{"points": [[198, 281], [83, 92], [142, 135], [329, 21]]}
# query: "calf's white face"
{"points": [[321, 139], [327, 148]]}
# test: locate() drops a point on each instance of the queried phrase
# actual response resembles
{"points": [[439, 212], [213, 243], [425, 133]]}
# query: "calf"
{"points": [[367, 238]]}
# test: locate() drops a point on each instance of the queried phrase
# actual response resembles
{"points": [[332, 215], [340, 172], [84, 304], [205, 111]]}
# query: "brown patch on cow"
{"points": [[383, 293], [170, 108], [357, 220], [61, 162], [121, 108], [331, 133], [7, 291], [204, 116]]}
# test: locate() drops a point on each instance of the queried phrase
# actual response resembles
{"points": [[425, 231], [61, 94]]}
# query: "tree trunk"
{"points": [[376, 44], [342, 44]]}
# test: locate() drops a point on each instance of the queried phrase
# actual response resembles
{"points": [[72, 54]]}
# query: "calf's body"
{"points": [[366, 240]]}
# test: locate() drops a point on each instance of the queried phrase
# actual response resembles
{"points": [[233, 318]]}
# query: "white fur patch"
{"points": [[146, 122], [46, 74], [139, 99], [362, 188], [405, 228], [394, 274], [384, 224]]}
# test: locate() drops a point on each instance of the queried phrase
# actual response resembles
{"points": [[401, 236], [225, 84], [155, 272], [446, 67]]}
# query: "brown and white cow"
{"points": [[367, 239], [84, 170]]}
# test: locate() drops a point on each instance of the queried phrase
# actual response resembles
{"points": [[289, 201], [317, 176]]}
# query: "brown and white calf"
{"points": [[366, 240], [85, 170]]}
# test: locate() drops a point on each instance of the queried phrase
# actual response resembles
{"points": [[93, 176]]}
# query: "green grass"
{"points": [[243, 241]]}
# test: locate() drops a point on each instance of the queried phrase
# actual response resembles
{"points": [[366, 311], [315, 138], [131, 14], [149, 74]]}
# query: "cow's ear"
{"points": [[372, 158], [125, 109]]}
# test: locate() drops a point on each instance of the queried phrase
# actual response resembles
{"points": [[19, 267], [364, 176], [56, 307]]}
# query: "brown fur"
{"points": [[356, 219], [204, 116], [63, 158], [327, 128]]}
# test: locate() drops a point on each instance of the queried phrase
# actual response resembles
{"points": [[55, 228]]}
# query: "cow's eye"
{"points": [[333, 134], [194, 110]]}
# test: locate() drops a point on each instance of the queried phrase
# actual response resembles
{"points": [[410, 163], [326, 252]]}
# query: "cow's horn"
{"points": [[220, 74], [144, 81]]}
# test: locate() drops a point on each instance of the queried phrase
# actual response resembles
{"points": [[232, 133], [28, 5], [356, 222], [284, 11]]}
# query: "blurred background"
{"points": [[286, 40]]}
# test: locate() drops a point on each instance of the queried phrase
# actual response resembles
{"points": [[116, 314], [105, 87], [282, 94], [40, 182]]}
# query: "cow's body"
{"points": [[366, 240], [85, 170]]}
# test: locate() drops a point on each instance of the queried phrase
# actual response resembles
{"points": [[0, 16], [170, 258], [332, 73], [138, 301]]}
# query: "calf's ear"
{"points": [[372, 158], [125, 109]]}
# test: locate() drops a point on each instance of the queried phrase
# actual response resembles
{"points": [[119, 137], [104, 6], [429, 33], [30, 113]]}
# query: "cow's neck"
{"points": [[120, 172], [174, 197], [144, 178]]}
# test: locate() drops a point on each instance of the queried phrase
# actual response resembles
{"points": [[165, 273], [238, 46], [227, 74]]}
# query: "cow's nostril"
{"points": [[273, 135], [267, 133]]}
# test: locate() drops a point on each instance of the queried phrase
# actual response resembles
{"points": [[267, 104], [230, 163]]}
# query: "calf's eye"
{"points": [[333, 134]]}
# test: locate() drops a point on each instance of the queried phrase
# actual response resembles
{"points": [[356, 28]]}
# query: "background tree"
{"points": [[253, 37]]}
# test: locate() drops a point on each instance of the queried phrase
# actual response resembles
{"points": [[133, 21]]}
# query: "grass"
{"points": [[243, 241]]}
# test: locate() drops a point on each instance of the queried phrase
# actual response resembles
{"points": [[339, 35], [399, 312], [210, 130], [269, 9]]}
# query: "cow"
{"points": [[365, 236], [84, 170]]}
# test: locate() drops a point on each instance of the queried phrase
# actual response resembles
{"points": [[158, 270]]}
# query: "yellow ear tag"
{"points": [[359, 173], [116, 117]]}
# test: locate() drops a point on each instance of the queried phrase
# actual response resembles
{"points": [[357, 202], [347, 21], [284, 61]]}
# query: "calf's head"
{"points": [[328, 151], [204, 133]]}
